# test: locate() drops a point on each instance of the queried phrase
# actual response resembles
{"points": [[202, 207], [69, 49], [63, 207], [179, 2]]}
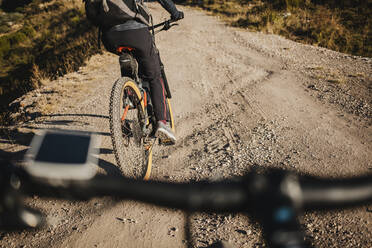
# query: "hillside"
{"points": [[344, 26], [41, 39]]}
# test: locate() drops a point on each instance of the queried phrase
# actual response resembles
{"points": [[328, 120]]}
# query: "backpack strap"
{"points": [[136, 8], [105, 6]]}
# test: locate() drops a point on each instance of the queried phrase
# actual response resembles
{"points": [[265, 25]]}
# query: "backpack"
{"points": [[108, 13]]}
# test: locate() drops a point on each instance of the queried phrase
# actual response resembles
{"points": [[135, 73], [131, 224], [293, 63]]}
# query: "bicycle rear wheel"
{"points": [[127, 119]]}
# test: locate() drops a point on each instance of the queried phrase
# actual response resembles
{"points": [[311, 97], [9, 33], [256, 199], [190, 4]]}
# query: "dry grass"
{"points": [[338, 25], [38, 77], [53, 40]]}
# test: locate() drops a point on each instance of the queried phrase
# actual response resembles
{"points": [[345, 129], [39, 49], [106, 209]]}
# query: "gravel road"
{"points": [[241, 100]]}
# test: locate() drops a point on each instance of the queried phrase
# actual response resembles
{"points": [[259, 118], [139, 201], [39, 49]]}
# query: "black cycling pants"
{"points": [[148, 62]]}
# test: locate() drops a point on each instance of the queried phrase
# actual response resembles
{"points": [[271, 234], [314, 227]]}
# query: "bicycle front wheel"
{"points": [[127, 120]]}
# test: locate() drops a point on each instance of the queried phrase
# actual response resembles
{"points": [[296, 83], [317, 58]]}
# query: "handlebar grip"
{"points": [[328, 194]]}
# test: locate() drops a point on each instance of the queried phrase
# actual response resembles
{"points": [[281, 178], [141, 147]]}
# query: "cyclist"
{"points": [[135, 34]]}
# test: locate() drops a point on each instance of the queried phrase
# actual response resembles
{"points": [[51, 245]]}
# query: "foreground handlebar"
{"points": [[336, 193], [245, 193], [275, 198]]}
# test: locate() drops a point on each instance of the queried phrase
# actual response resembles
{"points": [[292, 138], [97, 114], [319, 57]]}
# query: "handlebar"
{"points": [[202, 196], [335, 193], [165, 24], [307, 193], [274, 198]]}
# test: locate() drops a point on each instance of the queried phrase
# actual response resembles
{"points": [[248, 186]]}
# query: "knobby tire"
{"points": [[132, 158]]}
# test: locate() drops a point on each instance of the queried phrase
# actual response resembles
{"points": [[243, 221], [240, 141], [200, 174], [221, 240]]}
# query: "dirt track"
{"points": [[240, 99]]}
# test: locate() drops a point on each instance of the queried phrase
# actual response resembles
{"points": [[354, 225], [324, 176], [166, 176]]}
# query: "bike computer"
{"points": [[63, 155]]}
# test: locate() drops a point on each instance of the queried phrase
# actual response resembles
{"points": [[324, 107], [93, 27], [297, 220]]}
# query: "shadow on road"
{"points": [[111, 169], [11, 138], [13, 157], [105, 151], [86, 115]]}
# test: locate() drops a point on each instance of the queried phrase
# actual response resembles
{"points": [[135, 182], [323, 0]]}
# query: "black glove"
{"points": [[177, 16]]}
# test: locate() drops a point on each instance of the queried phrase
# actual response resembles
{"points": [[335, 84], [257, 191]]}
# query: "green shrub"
{"points": [[17, 38], [28, 30], [4, 46], [75, 20], [13, 39], [4, 28]]}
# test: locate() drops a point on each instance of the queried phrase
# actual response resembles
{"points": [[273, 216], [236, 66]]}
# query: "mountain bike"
{"points": [[132, 120]]}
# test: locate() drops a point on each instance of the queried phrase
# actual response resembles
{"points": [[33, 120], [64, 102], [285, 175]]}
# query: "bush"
{"points": [[7, 20], [11, 5], [11, 40], [4, 46]]}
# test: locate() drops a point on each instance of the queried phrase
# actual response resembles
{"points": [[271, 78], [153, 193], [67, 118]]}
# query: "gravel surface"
{"points": [[241, 100]]}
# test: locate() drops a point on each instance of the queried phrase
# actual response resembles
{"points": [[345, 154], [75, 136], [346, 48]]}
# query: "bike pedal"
{"points": [[148, 148], [148, 143]]}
